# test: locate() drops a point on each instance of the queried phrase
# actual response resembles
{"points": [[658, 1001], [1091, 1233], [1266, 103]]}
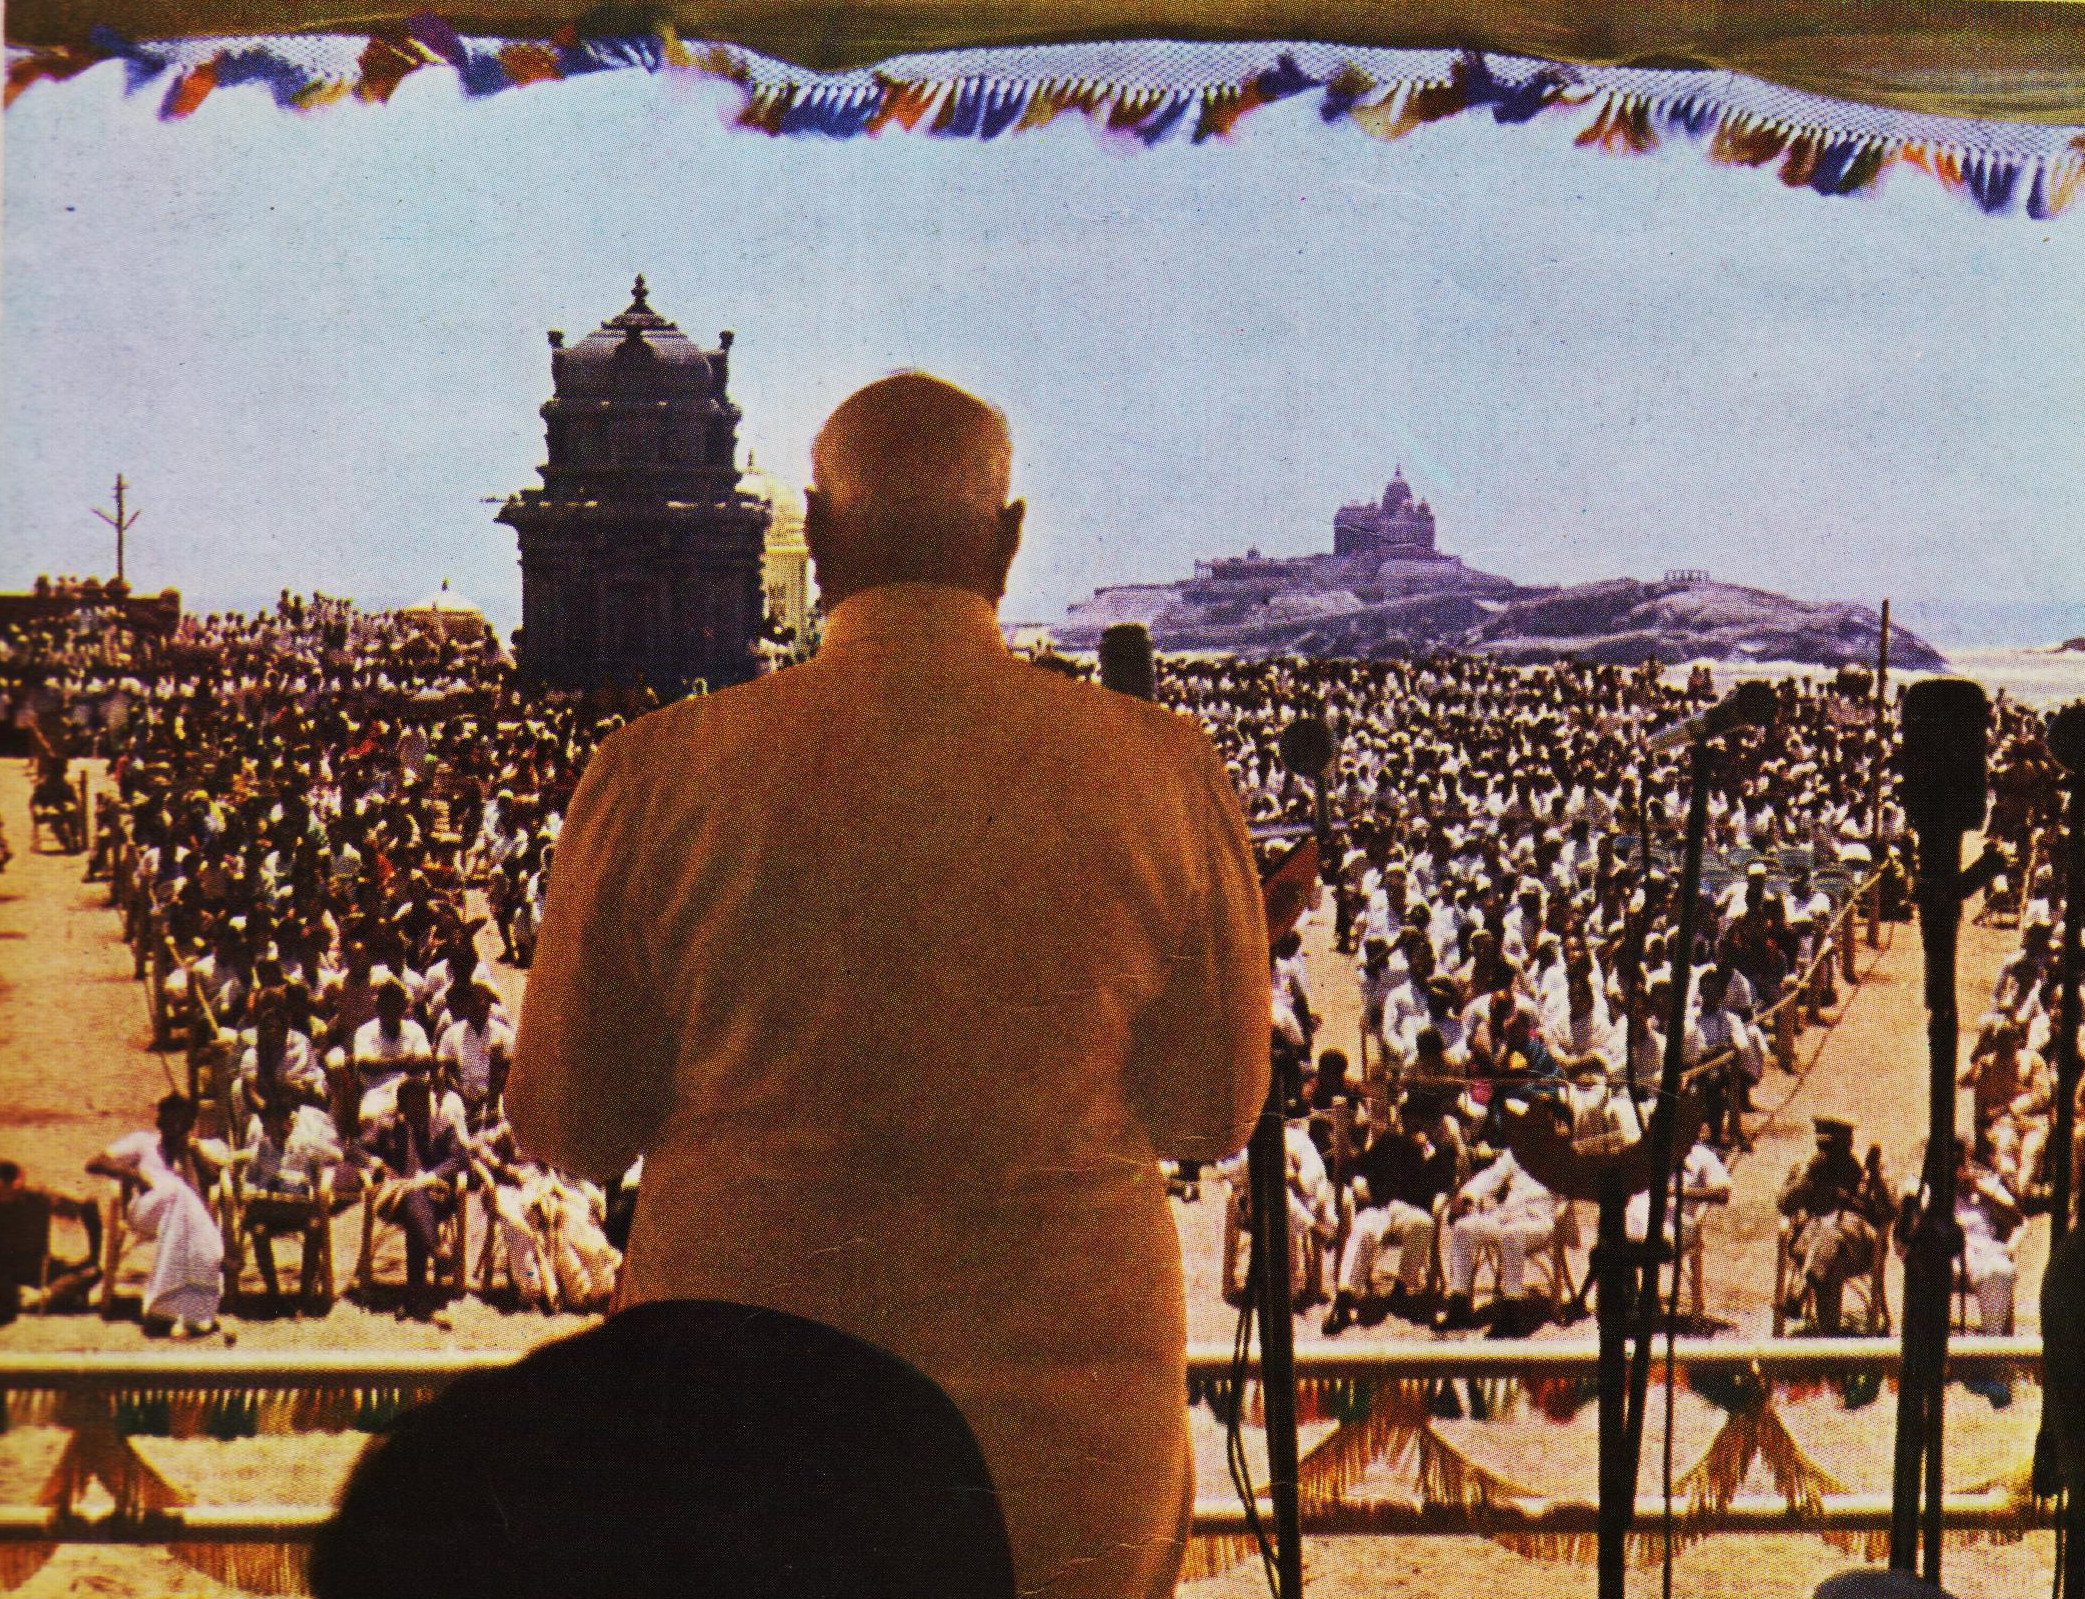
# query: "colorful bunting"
{"points": [[1147, 93]]}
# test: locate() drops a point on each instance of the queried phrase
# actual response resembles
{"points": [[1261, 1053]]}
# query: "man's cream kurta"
{"points": [[902, 968]]}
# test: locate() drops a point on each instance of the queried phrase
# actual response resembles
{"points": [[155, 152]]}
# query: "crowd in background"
{"points": [[332, 825], [318, 819]]}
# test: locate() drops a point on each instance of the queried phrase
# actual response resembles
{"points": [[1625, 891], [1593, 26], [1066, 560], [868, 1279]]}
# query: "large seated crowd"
{"points": [[317, 817], [323, 828], [1508, 887]]}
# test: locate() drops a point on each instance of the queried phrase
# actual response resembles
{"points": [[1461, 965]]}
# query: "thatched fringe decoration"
{"points": [[21, 1561], [104, 1455], [1755, 1431], [1642, 1550], [185, 1413], [1340, 1399], [1213, 1554], [2028, 1511], [31, 1407], [1799, 1479], [340, 1409], [1388, 1424], [1713, 1480], [1449, 1477], [1871, 1547], [269, 1568], [1578, 1548]]}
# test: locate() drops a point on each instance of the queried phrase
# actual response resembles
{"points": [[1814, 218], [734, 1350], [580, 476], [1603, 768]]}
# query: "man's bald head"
{"points": [[911, 482]]}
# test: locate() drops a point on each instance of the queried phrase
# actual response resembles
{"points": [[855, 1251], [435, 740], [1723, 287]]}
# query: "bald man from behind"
{"points": [[903, 968]]}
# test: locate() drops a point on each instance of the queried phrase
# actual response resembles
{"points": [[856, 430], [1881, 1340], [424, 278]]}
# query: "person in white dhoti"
{"points": [[1504, 1207], [187, 1278], [551, 1229], [1990, 1220]]}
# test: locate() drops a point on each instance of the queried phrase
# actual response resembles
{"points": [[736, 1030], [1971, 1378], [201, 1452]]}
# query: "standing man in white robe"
{"points": [[903, 968]]}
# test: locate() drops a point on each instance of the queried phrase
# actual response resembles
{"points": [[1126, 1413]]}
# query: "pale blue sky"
{"points": [[314, 343]]}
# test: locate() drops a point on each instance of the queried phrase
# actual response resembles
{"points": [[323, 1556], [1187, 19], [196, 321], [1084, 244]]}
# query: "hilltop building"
{"points": [[640, 554], [1397, 527], [1382, 551]]}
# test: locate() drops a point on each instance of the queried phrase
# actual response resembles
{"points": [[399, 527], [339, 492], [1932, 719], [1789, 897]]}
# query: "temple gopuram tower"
{"points": [[640, 557]]}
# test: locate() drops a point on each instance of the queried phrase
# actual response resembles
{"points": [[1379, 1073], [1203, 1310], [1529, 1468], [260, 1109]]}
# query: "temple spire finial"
{"points": [[637, 295]]}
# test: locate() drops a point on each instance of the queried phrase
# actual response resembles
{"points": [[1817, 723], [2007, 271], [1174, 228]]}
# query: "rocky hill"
{"points": [[1622, 620]]}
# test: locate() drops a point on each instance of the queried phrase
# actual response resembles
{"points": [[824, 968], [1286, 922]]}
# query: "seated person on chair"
{"points": [[1396, 1182], [26, 1214], [187, 1280], [1989, 1217], [1578, 1031], [1704, 1180], [1717, 1029], [1312, 1207], [1836, 1207], [423, 1160], [384, 1049], [280, 1061], [476, 1047], [1504, 1206], [1522, 1070], [1602, 1116], [550, 1228], [288, 1150], [1334, 1100]]}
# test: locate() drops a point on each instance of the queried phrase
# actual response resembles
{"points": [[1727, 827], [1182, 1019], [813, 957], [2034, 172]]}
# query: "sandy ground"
{"points": [[77, 1069]]}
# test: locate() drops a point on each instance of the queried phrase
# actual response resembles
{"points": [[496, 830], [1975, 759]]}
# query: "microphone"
{"points": [[1750, 704], [1308, 748], [2066, 737], [1941, 758], [1126, 663]]}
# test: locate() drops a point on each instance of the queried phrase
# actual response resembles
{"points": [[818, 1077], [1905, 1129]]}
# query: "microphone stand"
{"points": [[1930, 1257], [1127, 667], [2072, 1523], [2067, 1013], [1267, 1175], [1267, 1180], [1625, 1381]]}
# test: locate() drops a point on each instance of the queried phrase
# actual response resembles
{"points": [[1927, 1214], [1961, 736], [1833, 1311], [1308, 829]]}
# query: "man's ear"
{"points": [[830, 562], [817, 521], [1010, 518]]}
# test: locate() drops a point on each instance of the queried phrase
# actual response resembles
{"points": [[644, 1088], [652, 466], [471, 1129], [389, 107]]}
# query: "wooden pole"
{"points": [[107, 1372], [122, 522], [1882, 681]]}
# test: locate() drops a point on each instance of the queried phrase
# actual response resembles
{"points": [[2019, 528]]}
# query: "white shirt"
{"points": [[295, 1164], [469, 1050], [388, 1056]]}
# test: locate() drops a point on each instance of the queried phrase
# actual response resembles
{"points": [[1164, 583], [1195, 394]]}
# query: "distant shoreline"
{"points": [[2041, 676]]}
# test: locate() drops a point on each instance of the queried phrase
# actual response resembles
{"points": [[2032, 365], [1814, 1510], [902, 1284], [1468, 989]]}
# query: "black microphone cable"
{"points": [[1235, 1457]]}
